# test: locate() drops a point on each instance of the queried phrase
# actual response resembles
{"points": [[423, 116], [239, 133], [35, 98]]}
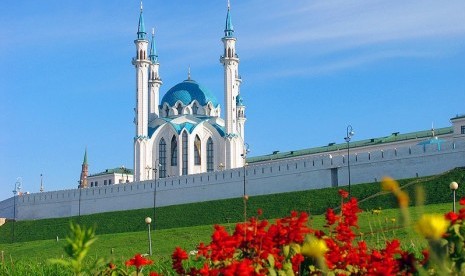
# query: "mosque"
{"points": [[184, 133]]}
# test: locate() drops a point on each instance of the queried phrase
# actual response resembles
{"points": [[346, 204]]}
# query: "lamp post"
{"points": [[155, 189], [245, 196], [349, 133], [148, 220], [453, 186]]}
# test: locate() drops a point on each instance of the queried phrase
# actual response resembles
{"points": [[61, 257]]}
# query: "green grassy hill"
{"points": [[436, 190]]}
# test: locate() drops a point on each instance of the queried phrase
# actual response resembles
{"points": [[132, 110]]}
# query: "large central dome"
{"points": [[188, 91]]}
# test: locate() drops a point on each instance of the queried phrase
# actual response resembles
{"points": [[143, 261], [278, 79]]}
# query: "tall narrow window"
{"points": [[167, 111], [462, 129], [179, 108], [184, 154], [174, 151], [197, 151], [195, 108], [209, 155], [162, 158]]}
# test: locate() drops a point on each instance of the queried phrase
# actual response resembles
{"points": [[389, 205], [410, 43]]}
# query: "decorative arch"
{"points": [[210, 154], [179, 108], [197, 151], [162, 157], [185, 154], [174, 151]]}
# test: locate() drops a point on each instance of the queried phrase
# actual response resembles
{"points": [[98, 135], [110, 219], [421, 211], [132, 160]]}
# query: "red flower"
{"points": [[452, 217], [155, 274], [343, 193], [178, 256], [138, 261], [111, 266], [259, 212]]}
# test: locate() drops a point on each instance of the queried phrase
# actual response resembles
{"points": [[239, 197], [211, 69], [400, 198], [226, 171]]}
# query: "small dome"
{"points": [[188, 91]]}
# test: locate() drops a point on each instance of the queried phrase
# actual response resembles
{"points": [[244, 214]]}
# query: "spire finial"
{"points": [[141, 26], [229, 29], [141, 6], [153, 32], [153, 52], [189, 73]]}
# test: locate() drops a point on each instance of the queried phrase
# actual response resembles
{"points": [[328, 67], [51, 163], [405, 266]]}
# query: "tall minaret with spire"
{"points": [[84, 173], [154, 81], [232, 82], [141, 62]]}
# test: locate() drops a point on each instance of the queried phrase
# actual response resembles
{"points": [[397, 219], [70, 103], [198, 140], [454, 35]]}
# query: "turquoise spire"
{"points": [[229, 29], [85, 158], [141, 28], [153, 52]]}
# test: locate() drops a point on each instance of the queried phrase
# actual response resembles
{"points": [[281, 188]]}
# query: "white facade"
{"points": [[184, 133]]}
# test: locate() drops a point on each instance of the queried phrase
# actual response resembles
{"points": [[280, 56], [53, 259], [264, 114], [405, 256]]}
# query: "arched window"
{"points": [[140, 54], [162, 157], [229, 52], [197, 151], [210, 155], [174, 151], [195, 108], [179, 108], [167, 111], [185, 160]]}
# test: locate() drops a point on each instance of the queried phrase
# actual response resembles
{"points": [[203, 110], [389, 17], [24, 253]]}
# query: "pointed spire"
{"points": [[153, 52], [229, 29], [141, 28], [189, 73], [85, 158]]}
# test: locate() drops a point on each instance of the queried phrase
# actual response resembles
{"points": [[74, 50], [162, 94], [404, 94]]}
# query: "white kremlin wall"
{"points": [[276, 176]]}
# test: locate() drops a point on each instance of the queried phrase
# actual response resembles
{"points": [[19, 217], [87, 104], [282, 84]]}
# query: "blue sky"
{"points": [[309, 69]]}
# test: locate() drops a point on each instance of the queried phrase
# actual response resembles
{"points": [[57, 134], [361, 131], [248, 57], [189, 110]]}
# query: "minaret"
{"points": [[154, 81], [84, 173], [232, 80], [141, 63]]}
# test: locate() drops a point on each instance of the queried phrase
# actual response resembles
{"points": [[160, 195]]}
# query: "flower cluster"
{"points": [[290, 247]]}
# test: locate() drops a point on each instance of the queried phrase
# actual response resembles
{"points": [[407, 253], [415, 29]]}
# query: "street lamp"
{"points": [[245, 196], [155, 190], [350, 133], [148, 220], [453, 186]]}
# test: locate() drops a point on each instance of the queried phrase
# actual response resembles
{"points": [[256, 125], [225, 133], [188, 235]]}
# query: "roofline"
{"points": [[394, 137]]}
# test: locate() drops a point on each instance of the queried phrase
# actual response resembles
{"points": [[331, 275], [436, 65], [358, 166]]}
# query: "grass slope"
{"points": [[435, 188]]}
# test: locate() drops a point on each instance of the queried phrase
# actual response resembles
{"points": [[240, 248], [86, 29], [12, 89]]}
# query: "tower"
{"points": [[232, 81], [141, 64], [84, 173], [154, 81]]}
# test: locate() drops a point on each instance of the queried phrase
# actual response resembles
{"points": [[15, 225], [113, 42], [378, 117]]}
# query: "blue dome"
{"points": [[188, 91]]}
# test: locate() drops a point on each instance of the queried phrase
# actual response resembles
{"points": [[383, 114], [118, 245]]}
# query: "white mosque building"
{"points": [[184, 133]]}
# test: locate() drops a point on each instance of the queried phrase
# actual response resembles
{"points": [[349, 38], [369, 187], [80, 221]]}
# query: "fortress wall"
{"points": [[275, 176]]}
